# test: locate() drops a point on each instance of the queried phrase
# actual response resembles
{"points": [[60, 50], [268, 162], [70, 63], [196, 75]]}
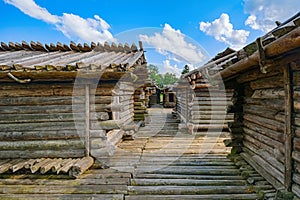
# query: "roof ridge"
{"points": [[85, 47]]}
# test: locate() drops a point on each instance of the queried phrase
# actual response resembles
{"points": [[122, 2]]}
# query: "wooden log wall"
{"points": [[36, 120], [264, 122], [140, 106], [209, 108], [48, 119], [141, 94], [203, 106], [183, 95], [295, 67]]}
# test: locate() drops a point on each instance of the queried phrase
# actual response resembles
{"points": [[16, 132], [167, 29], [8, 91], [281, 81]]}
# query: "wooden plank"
{"points": [[41, 144], [60, 196], [265, 172], [288, 131], [87, 121], [184, 182], [66, 189], [50, 153], [180, 190], [39, 135], [193, 197]]}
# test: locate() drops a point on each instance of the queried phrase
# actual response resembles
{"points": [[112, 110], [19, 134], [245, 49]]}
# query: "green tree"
{"points": [[161, 79], [186, 69], [153, 71], [169, 78]]}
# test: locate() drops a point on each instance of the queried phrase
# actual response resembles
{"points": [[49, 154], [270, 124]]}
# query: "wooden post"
{"points": [[287, 76], [87, 120], [186, 106]]}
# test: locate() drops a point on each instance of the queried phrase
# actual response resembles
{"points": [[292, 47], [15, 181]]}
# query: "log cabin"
{"points": [[259, 85], [64, 107]]}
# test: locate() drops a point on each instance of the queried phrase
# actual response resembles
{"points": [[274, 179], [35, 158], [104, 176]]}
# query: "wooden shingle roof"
{"points": [[60, 61]]}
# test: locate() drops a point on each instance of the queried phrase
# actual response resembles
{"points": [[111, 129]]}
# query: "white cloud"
{"points": [[167, 67], [72, 26], [173, 41], [263, 14], [86, 29], [29, 7], [222, 30]]}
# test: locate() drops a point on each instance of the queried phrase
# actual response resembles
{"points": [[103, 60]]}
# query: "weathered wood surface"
{"points": [[160, 163], [170, 164]]}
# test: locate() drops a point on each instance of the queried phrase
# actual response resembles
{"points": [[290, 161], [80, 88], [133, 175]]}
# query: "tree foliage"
{"points": [[161, 80]]}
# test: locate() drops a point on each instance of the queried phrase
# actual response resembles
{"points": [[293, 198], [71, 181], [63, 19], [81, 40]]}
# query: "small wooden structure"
{"points": [[169, 97], [63, 102], [264, 79]]}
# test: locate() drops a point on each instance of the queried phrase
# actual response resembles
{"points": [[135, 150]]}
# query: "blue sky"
{"points": [[174, 33]]}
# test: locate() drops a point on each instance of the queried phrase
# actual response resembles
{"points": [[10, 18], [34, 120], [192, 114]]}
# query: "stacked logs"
{"points": [[37, 121], [139, 105], [204, 106], [296, 126], [264, 122], [74, 167]]}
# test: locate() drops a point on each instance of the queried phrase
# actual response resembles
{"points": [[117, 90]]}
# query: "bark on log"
{"points": [[47, 167], [109, 124], [267, 123], [267, 83], [34, 168], [268, 93], [256, 74], [65, 168], [81, 166], [41, 145], [69, 153]]}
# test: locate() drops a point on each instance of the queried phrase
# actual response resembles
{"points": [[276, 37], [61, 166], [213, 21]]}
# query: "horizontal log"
{"points": [[264, 112], [38, 109], [27, 118], [69, 153], [296, 189], [279, 136], [296, 144], [188, 190], [255, 74], [254, 145], [109, 124], [282, 45], [268, 93], [296, 178], [276, 104], [67, 190], [39, 135], [264, 169], [267, 123], [265, 140], [41, 144], [50, 126], [267, 83]]}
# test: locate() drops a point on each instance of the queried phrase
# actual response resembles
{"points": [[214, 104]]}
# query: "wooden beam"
{"points": [[279, 47], [287, 77], [87, 120]]}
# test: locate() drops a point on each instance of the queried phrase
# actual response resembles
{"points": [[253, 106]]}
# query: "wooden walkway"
{"points": [[160, 163]]}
